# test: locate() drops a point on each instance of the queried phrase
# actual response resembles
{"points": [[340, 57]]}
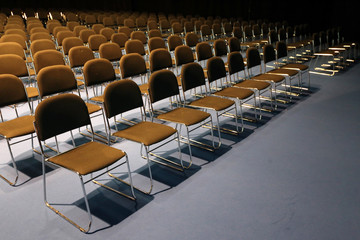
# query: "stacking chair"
{"points": [[234, 44], [203, 52], [16, 65], [282, 55], [165, 28], [123, 96], [85, 34], [220, 48], [163, 85], [156, 43], [107, 32], [97, 27], [77, 29], [126, 30], [183, 54], [67, 44], [216, 75], [46, 58], [120, 39], [112, 52], [78, 56], [64, 113], [40, 35], [269, 56], [173, 41], [94, 43], [191, 39], [72, 24], [133, 66], [253, 60], [154, 33], [136, 46], [12, 93], [61, 36], [160, 59], [216, 31], [193, 79], [236, 65], [205, 33]]}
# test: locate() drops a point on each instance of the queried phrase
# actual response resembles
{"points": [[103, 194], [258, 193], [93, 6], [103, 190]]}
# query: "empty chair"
{"points": [[216, 75], [205, 32], [72, 24], [160, 59], [191, 39], [41, 44], [14, 38], [40, 35], [203, 52], [107, 32], [97, 27], [220, 48], [126, 30], [173, 41], [61, 36], [216, 31], [84, 160], [234, 44], [156, 43], [177, 29], [78, 56], [85, 34], [12, 92], [193, 79], [136, 46], [154, 33], [165, 28], [113, 53], [123, 96], [68, 43], [77, 29], [163, 85], [183, 54], [46, 58], [120, 39], [95, 41]]}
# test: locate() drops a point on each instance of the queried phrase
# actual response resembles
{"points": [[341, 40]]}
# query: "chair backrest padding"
{"points": [[215, 69], [12, 90], [59, 114], [162, 84], [192, 76]]}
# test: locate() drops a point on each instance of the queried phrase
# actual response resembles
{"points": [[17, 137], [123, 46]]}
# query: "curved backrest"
{"points": [[17, 31], [160, 59], [139, 35], [14, 38], [121, 96], [174, 41], [183, 54], [77, 29], [95, 41], [132, 64], [41, 44], [70, 42], [252, 57], [59, 114], [12, 90], [72, 24], [192, 76], [215, 69], [97, 71], [38, 29], [220, 48], [216, 29], [205, 30], [203, 51], [110, 51], [60, 29], [46, 58], [235, 62], [154, 33], [13, 64], [97, 27], [134, 46], [176, 28], [126, 30], [12, 48], [107, 32], [234, 44], [55, 79], [156, 43], [269, 54], [188, 27], [238, 33], [162, 84], [62, 35], [85, 34], [79, 55], [40, 35], [119, 38], [281, 49], [191, 39]]}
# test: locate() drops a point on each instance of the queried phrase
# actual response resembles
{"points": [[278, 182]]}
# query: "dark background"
{"points": [[320, 15]]}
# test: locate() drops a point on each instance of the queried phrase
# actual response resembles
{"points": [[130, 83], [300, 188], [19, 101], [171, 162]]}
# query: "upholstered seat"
{"points": [[17, 127]]}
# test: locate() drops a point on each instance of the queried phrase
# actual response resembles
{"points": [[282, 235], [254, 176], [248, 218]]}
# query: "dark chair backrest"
{"points": [[162, 84]]}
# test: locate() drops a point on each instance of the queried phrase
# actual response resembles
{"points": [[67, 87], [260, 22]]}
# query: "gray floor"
{"points": [[293, 176]]}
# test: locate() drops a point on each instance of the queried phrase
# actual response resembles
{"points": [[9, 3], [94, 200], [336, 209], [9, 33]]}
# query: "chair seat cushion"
{"points": [[32, 92], [92, 107], [87, 158], [283, 71], [187, 116], [234, 92], [99, 99], [17, 127], [296, 66], [259, 85], [147, 133], [212, 102], [269, 77]]}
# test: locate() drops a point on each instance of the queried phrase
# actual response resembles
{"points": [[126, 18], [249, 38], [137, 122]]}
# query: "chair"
{"points": [[281, 53], [40, 35], [193, 79], [97, 27], [123, 96], [174, 41], [68, 43], [216, 75], [151, 25], [205, 33], [140, 23], [183, 54], [234, 44], [107, 32], [95, 41], [85, 34], [154, 33], [14, 38], [235, 66], [203, 52], [133, 66], [160, 59], [227, 30], [253, 60], [191, 39], [130, 23], [77, 30], [220, 48], [156, 43], [61, 36], [269, 56], [91, 158], [136, 46], [78, 56], [165, 28], [112, 52], [12, 92], [216, 31], [120, 39], [126, 30], [46, 58], [163, 85], [177, 29], [72, 24], [41, 44], [141, 36], [108, 22]]}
